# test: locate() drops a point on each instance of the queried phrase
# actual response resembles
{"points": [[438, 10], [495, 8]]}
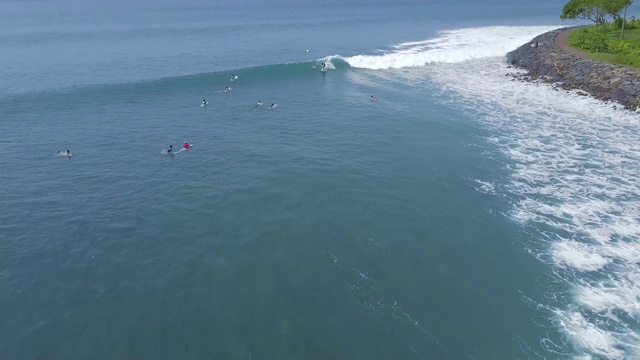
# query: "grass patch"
{"points": [[627, 60], [604, 43]]}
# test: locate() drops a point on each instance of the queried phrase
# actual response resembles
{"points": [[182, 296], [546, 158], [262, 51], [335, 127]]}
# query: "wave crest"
{"points": [[452, 46]]}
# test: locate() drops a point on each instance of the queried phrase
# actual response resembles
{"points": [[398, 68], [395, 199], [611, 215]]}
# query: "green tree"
{"points": [[594, 10]]}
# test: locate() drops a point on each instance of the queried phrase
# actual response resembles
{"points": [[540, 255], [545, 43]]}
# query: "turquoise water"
{"points": [[458, 216]]}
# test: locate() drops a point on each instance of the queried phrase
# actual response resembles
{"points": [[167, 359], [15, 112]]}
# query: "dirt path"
{"points": [[561, 41]]}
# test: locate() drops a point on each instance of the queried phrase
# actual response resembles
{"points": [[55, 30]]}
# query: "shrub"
{"points": [[617, 22], [619, 47], [605, 44], [630, 24], [595, 39]]}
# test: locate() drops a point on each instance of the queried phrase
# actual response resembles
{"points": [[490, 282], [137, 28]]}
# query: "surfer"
{"points": [[324, 66], [186, 145], [259, 104], [204, 102], [373, 98], [233, 77], [170, 149], [313, 65], [227, 89], [273, 105]]}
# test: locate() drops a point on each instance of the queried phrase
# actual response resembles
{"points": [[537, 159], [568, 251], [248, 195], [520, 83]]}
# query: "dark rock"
{"points": [[549, 64]]}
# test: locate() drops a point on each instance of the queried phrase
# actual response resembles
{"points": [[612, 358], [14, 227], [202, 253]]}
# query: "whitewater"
{"points": [[462, 214], [573, 183]]}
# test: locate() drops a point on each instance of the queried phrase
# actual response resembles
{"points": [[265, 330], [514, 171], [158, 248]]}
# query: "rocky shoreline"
{"points": [[548, 62]]}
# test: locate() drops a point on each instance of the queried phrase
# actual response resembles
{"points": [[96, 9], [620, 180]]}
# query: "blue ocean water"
{"points": [[458, 215]]}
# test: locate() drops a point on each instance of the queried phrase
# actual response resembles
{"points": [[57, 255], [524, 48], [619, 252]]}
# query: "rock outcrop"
{"points": [[548, 62]]}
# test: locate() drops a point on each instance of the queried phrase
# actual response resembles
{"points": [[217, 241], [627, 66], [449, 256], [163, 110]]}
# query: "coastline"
{"points": [[554, 62]]}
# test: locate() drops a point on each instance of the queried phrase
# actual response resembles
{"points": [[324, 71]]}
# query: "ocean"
{"points": [[458, 214]]}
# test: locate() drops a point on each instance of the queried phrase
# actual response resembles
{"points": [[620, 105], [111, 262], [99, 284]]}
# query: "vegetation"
{"points": [[603, 42], [594, 10], [616, 42]]}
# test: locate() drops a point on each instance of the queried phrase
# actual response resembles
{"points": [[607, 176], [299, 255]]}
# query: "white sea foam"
{"points": [[484, 186], [452, 46], [592, 338], [579, 256], [575, 170]]}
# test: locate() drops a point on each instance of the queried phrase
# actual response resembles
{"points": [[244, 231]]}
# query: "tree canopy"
{"points": [[594, 10]]}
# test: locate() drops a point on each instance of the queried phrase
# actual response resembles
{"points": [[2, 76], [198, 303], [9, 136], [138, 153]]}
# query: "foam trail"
{"points": [[573, 179], [452, 46]]}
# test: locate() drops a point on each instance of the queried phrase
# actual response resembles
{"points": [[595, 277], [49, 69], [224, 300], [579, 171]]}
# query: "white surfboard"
{"points": [[183, 149]]}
